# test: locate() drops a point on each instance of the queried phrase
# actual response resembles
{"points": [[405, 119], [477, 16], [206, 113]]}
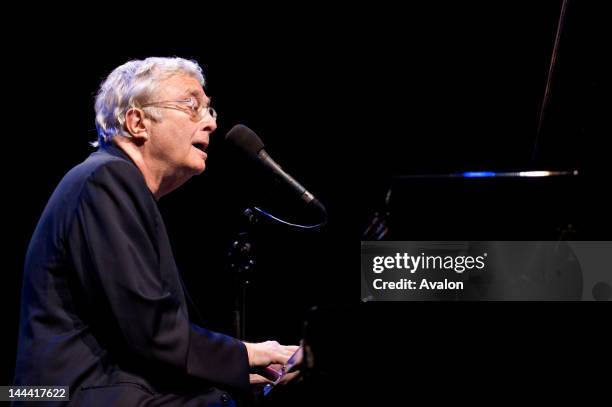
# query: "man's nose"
{"points": [[209, 124]]}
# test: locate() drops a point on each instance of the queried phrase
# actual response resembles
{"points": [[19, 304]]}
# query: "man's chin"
{"points": [[199, 164], [199, 168]]}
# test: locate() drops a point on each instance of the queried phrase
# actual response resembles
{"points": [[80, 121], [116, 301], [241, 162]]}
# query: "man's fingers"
{"points": [[256, 379], [265, 353], [292, 348], [272, 372], [284, 355], [288, 377]]}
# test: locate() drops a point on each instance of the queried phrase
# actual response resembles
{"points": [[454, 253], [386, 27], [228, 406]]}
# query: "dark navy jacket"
{"points": [[103, 310]]}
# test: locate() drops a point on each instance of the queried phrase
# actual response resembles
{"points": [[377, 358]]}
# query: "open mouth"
{"points": [[201, 146]]}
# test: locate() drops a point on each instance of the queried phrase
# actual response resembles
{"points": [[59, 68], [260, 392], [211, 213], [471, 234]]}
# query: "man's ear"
{"points": [[135, 124]]}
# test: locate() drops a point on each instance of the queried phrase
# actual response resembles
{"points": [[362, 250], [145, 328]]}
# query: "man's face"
{"points": [[177, 140]]}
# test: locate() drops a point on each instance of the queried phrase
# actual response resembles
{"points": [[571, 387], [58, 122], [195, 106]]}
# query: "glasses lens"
{"points": [[212, 112]]}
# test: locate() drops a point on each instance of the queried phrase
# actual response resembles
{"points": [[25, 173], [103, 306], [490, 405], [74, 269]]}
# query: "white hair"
{"points": [[130, 85]]}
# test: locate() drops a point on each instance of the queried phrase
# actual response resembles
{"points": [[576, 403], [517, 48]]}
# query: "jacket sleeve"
{"points": [[114, 245]]}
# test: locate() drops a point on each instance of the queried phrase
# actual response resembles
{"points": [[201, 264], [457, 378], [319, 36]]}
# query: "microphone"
{"points": [[248, 142]]}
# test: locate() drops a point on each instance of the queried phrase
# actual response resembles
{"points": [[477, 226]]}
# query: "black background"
{"points": [[343, 99]]}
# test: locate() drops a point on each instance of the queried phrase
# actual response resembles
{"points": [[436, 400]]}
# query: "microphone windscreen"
{"points": [[245, 139]]}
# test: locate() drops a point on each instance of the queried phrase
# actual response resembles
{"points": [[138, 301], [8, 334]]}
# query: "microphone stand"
{"points": [[241, 258]]}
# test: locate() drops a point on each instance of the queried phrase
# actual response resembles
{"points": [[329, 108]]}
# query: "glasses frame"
{"points": [[197, 113]]}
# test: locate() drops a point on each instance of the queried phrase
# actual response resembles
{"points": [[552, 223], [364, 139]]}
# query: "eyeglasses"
{"points": [[192, 107]]}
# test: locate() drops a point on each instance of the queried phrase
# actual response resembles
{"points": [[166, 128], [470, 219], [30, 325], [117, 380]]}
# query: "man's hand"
{"points": [[271, 361], [267, 353]]}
